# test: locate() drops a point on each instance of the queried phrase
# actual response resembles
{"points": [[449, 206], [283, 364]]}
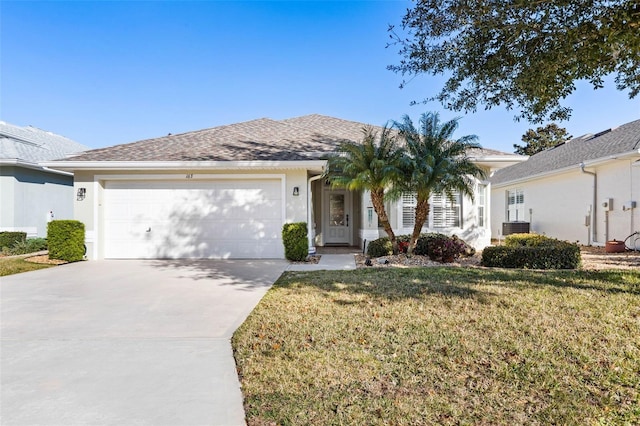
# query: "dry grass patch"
{"points": [[443, 346], [13, 265]]}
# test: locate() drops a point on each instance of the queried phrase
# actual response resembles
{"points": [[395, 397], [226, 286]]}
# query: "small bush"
{"points": [[446, 249], [380, 247], [31, 245], [296, 243], [9, 239], [66, 240], [37, 244], [536, 252]]}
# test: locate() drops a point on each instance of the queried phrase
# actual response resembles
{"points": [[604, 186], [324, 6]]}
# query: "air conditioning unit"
{"points": [[607, 204], [509, 228]]}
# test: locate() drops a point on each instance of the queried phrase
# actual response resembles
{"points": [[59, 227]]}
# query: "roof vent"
{"points": [[604, 132]]}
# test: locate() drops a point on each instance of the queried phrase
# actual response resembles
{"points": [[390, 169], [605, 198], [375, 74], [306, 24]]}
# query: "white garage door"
{"points": [[216, 219]]}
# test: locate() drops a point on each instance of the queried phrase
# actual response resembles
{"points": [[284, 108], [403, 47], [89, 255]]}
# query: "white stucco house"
{"points": [[225, 192], [585, 190], [31, 194]]}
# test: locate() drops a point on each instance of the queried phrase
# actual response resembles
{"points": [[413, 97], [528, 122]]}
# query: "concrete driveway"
{"points": [[126, 342]]}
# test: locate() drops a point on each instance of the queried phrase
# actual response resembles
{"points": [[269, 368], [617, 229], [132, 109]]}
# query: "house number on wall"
{"points": [[190, 176]]}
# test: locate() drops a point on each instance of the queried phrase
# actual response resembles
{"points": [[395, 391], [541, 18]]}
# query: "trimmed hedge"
{"points": [[531, 251], [9, 239], [66, 240], [527, 240], [296, 243]]}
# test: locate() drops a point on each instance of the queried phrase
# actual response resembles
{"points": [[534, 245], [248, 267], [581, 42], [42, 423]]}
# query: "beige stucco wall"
{"points": [[557, 205], [89, 211]]}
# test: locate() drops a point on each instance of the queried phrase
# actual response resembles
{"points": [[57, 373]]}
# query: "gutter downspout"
{"points": [[594, 209], [310, 219]]}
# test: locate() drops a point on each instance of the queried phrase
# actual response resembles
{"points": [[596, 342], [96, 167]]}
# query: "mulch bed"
{"points": [[592, 258], [44, 258]]}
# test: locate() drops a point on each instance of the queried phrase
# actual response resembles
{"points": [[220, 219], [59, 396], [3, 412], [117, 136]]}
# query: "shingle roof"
{"points": [[619, 140], [309, 137], [31, 145]]}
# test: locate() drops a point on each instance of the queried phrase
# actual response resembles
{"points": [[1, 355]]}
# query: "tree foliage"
{"points": [[374, 165], [438, 164], [520, 54], [542, 138]]}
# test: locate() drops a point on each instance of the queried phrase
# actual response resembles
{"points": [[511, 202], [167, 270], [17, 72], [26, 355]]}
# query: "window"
{"points": [[444, 213], [515, 205], [408, 209], [482, 205]]}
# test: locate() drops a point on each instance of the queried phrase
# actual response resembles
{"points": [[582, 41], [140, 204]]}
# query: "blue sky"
{"points": [[111, 72]]}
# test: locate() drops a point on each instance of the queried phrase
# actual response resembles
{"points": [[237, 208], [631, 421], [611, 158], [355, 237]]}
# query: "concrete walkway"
{"points": [[327, 262], [126, 342]]}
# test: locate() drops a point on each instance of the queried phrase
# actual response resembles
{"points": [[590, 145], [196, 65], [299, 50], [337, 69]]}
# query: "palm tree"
{"points": [[438, 164], [373, 165]]}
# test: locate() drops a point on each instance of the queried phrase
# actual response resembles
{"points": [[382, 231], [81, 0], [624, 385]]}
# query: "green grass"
{"points": [[10, 266], [443, 346]]}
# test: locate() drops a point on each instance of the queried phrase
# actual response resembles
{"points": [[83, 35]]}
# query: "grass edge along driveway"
{"points": [[16, 265], [443, 346]]}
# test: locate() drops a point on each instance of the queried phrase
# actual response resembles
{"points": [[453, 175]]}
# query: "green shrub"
{"points": [[31, 245], [422, 245], [446, 249], [66, 240], [296, 243], [380, 247], [537, 253], [527, 240], [37, 244], [9, 239], [436, 246]]}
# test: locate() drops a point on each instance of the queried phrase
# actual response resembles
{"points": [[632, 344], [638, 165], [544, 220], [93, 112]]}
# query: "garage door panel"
{"points": [[194, 219]]}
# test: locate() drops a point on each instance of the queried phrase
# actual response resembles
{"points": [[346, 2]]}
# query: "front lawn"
{"points": [[443, 346], [14, 265]]}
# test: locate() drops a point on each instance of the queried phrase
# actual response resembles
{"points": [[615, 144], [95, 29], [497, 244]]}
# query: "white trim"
{"points": [[573, 167], [311, 230], [510, 158], [185, 165], [191, 176], [15, 162], [96, 222]]}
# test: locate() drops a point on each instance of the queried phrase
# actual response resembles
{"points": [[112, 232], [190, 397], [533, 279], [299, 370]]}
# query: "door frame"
{"points": [[348, 211]]}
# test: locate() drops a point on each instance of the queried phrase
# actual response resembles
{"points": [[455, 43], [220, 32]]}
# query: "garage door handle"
{"points": [[148, 229]]}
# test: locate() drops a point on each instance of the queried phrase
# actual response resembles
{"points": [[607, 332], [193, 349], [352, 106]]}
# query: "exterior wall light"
{"points": [[82, 193], [296, 191]]}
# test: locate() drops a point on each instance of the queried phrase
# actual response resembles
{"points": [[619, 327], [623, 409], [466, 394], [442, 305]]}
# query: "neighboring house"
{"points": [[585, 190], [30, 194], [225, 192]]}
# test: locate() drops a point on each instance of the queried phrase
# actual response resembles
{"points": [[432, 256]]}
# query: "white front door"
{"points": [[337, 217]]}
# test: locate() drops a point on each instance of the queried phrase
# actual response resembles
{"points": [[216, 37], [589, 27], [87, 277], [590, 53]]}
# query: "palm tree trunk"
{"points": [[377, 198], [422, 213]]}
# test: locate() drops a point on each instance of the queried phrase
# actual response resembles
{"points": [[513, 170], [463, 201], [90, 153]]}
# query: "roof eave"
{"points": [[588, 163], [186, 165], [496, 162], [16, 162]]}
